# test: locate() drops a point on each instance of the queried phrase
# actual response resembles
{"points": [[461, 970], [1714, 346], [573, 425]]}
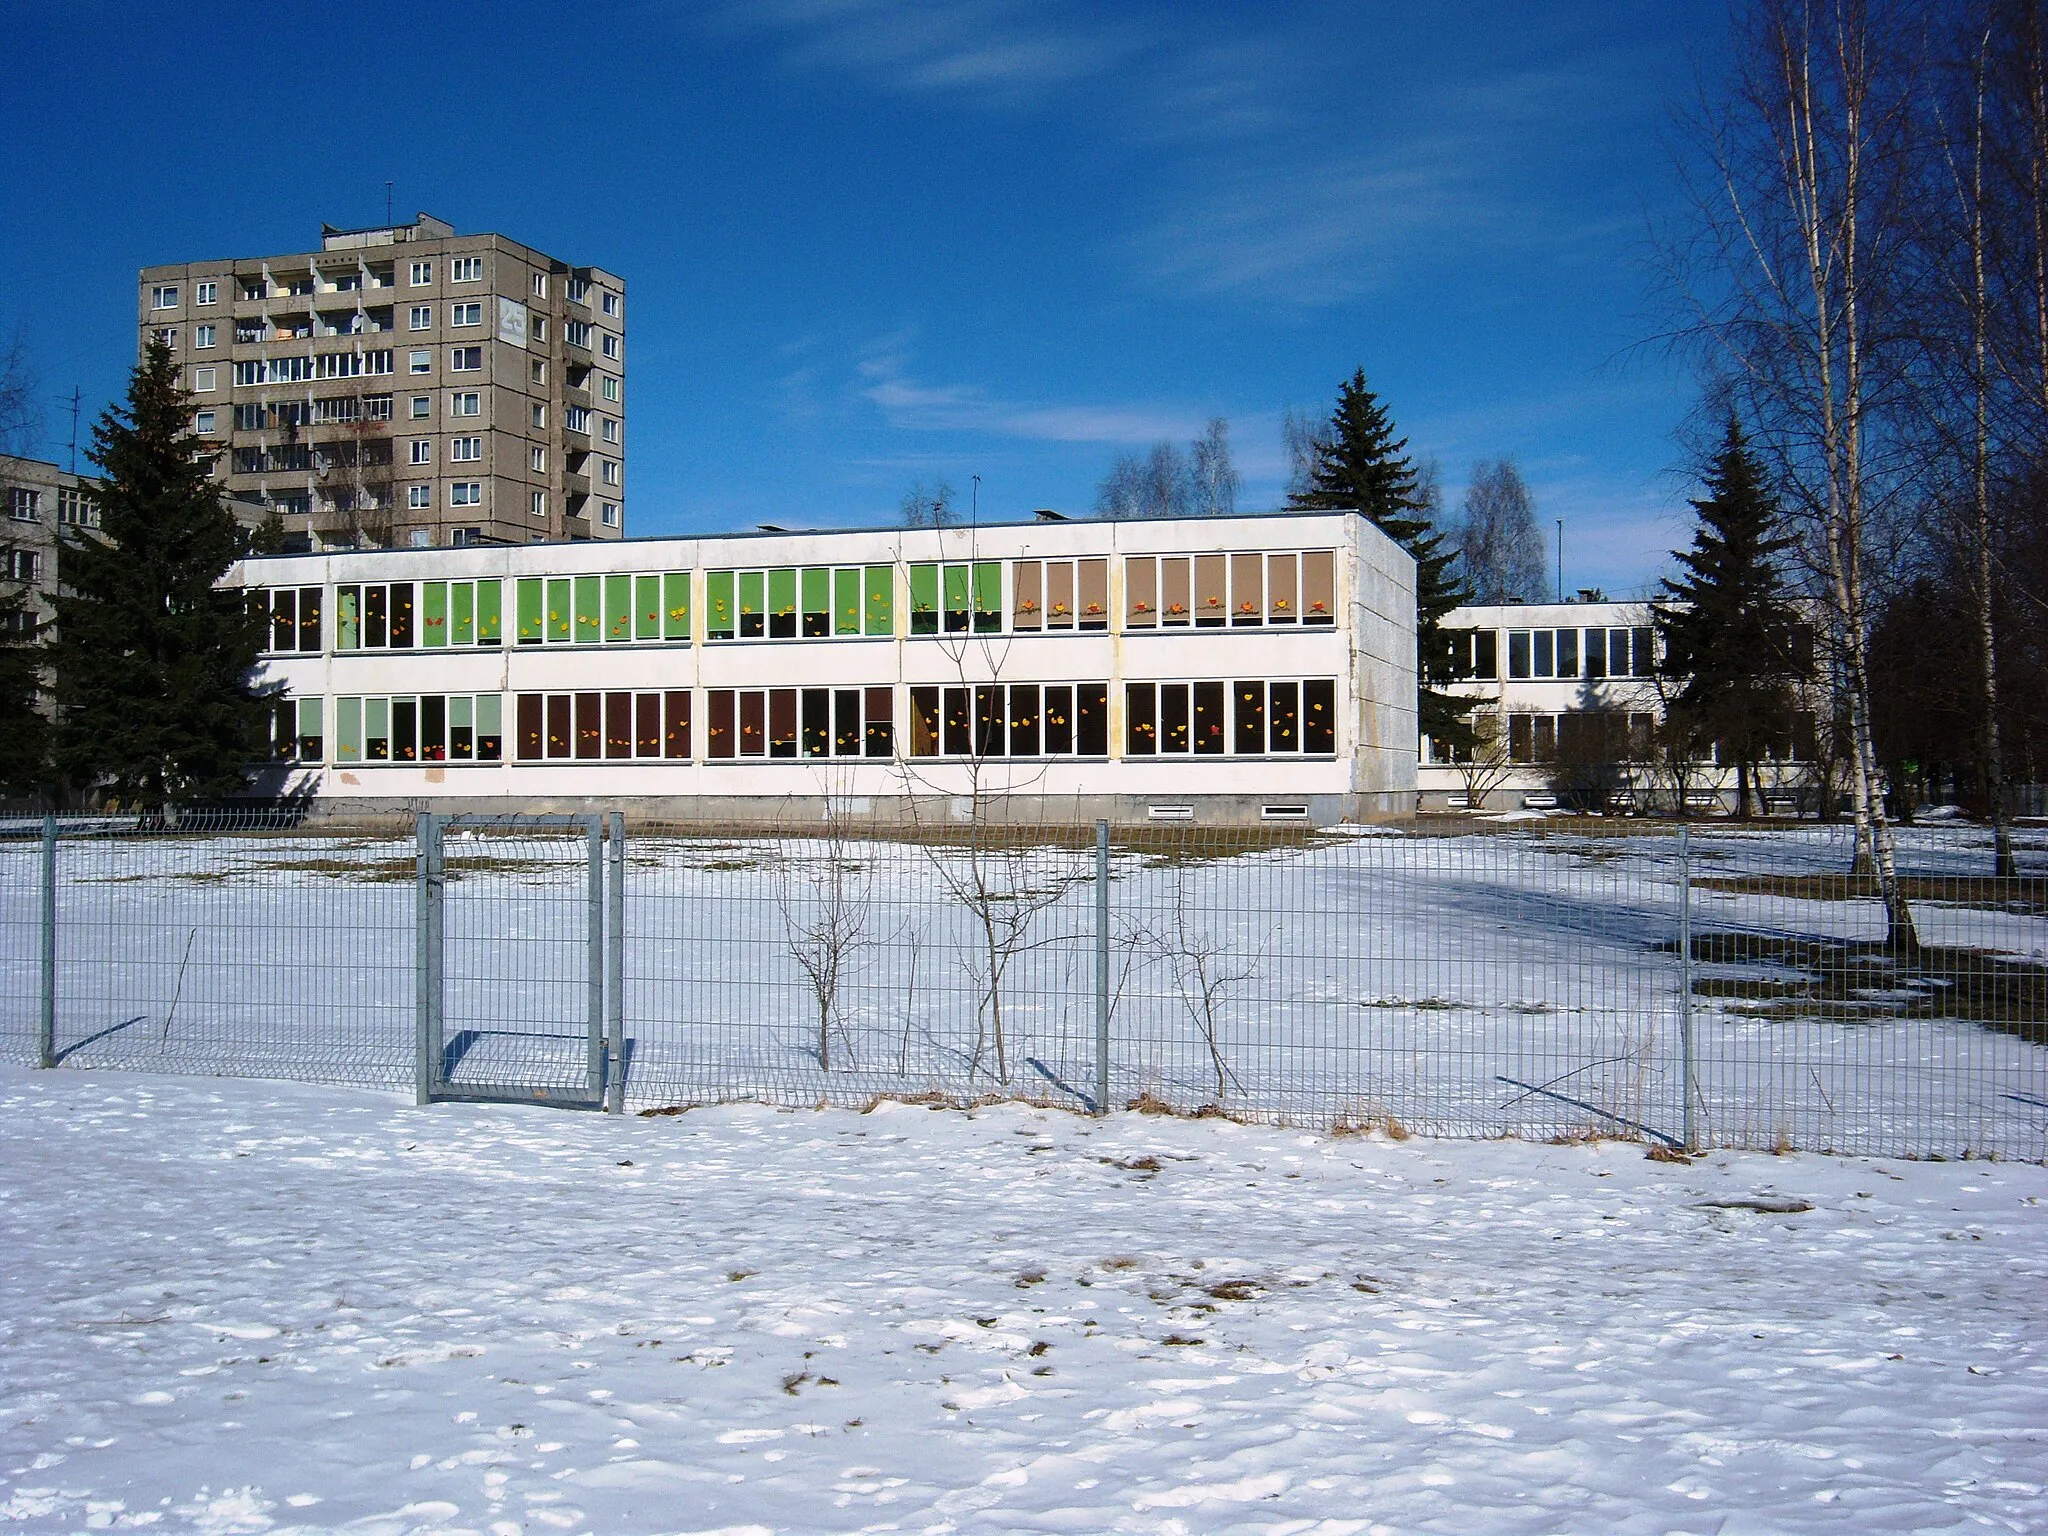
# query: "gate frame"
{"points": [[605, 1032]]}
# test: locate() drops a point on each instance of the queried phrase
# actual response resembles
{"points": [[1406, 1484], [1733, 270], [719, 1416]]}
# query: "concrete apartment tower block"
{"points": [[405, 387]]}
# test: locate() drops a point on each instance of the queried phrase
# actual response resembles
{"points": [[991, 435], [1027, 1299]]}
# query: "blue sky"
{"points": [[868, 242]]}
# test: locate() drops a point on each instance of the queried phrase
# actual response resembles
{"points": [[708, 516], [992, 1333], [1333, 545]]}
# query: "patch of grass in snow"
{"points": [[2020, 895], [1859, 980]]}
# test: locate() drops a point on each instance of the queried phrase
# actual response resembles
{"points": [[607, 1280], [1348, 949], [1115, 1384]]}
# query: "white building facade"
{"points": [[1570, 709], [1238, 669]]}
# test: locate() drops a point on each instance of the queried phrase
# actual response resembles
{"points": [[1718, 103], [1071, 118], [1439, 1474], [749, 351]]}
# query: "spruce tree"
{"points": [[153, 665], [1730, 633], [1359, 465], [24, 725]]}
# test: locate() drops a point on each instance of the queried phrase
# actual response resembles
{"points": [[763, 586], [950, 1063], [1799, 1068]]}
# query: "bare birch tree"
{"points": [[1798, 196]]}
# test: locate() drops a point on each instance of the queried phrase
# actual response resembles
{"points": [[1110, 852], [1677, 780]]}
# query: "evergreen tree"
{"points": [[1358, 465], [1730, 633], [153, 665], [24, 728]]}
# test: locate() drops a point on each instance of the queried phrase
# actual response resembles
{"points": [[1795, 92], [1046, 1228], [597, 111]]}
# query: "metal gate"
{"points": [[521, 937]]}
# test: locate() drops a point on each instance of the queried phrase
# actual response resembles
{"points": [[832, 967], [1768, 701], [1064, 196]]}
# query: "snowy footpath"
{"points": [[243, 1306]]}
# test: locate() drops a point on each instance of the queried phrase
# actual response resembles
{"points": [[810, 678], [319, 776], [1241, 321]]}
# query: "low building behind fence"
{"points": [[1722, 987]]}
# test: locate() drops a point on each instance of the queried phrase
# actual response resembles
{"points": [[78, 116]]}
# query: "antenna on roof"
{"points": [[387, 205]]}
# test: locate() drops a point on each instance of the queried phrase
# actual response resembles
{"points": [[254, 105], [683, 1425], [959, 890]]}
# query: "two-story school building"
{"points": [[1214, 669]]}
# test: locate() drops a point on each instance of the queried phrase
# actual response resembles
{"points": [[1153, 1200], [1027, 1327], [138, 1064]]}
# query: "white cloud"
{"points": [[913, 406]]}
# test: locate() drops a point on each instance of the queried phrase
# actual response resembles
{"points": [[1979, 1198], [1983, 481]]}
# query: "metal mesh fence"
{"points": [[1721, 985]]}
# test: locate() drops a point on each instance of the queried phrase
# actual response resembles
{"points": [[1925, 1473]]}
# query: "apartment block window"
{"points": [[420, 317], [422, 273], [538, 324], [202, 423], [611, 429], [429, 728], [610, 388], [25, 505], [1246, 718], [609, 514], [164, 298], [465, 450], [577, 419], [537, 459], [467, 402], [376, 407], [1010, 720], [611, 346], [205, 335], [167, 334], [422, 451], [465, 493], [540, 285], [577, 333], [611, 472], [206, 293], [538, 413], [422, 407], [537, 503], [21, 564], [615, 609], [465, 314], [611, 303], [76, 509], [417, 362], [466, 269], [578, 290], [420, 498], [537, 371], [465, 359], [791, 602], [204, 380]]}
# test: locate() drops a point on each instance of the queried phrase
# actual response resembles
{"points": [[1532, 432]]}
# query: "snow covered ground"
{"points": [[232, 1306]]}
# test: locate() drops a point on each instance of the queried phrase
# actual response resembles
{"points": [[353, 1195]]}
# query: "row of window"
{"points": [[378, 616], [1554, 653], [461, 269], [1589, 737], [1245, 718], [74, 508], [1240, 590], [799, 602]]}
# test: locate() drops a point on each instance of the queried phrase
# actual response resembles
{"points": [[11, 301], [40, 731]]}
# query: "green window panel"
{"points": [[753, 604], [817, 600], [377, 729], [924, 599], [724, 605], [490, 625], [561, 605], [881, 614], [646, 607], [434, 613], [490, 714], [589, 617], [782, 591], [988, 596], [531, 611], [618, 608], [462, 613], [846, 601], [348, 612], [675, 597], [957, 582], [348, 730]]}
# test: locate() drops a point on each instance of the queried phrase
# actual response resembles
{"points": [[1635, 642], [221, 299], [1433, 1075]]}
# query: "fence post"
{"points": [[1685, 1060], [615, 944], [423, 967], [46, 1044], [593, 832], [1102, 967]]}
